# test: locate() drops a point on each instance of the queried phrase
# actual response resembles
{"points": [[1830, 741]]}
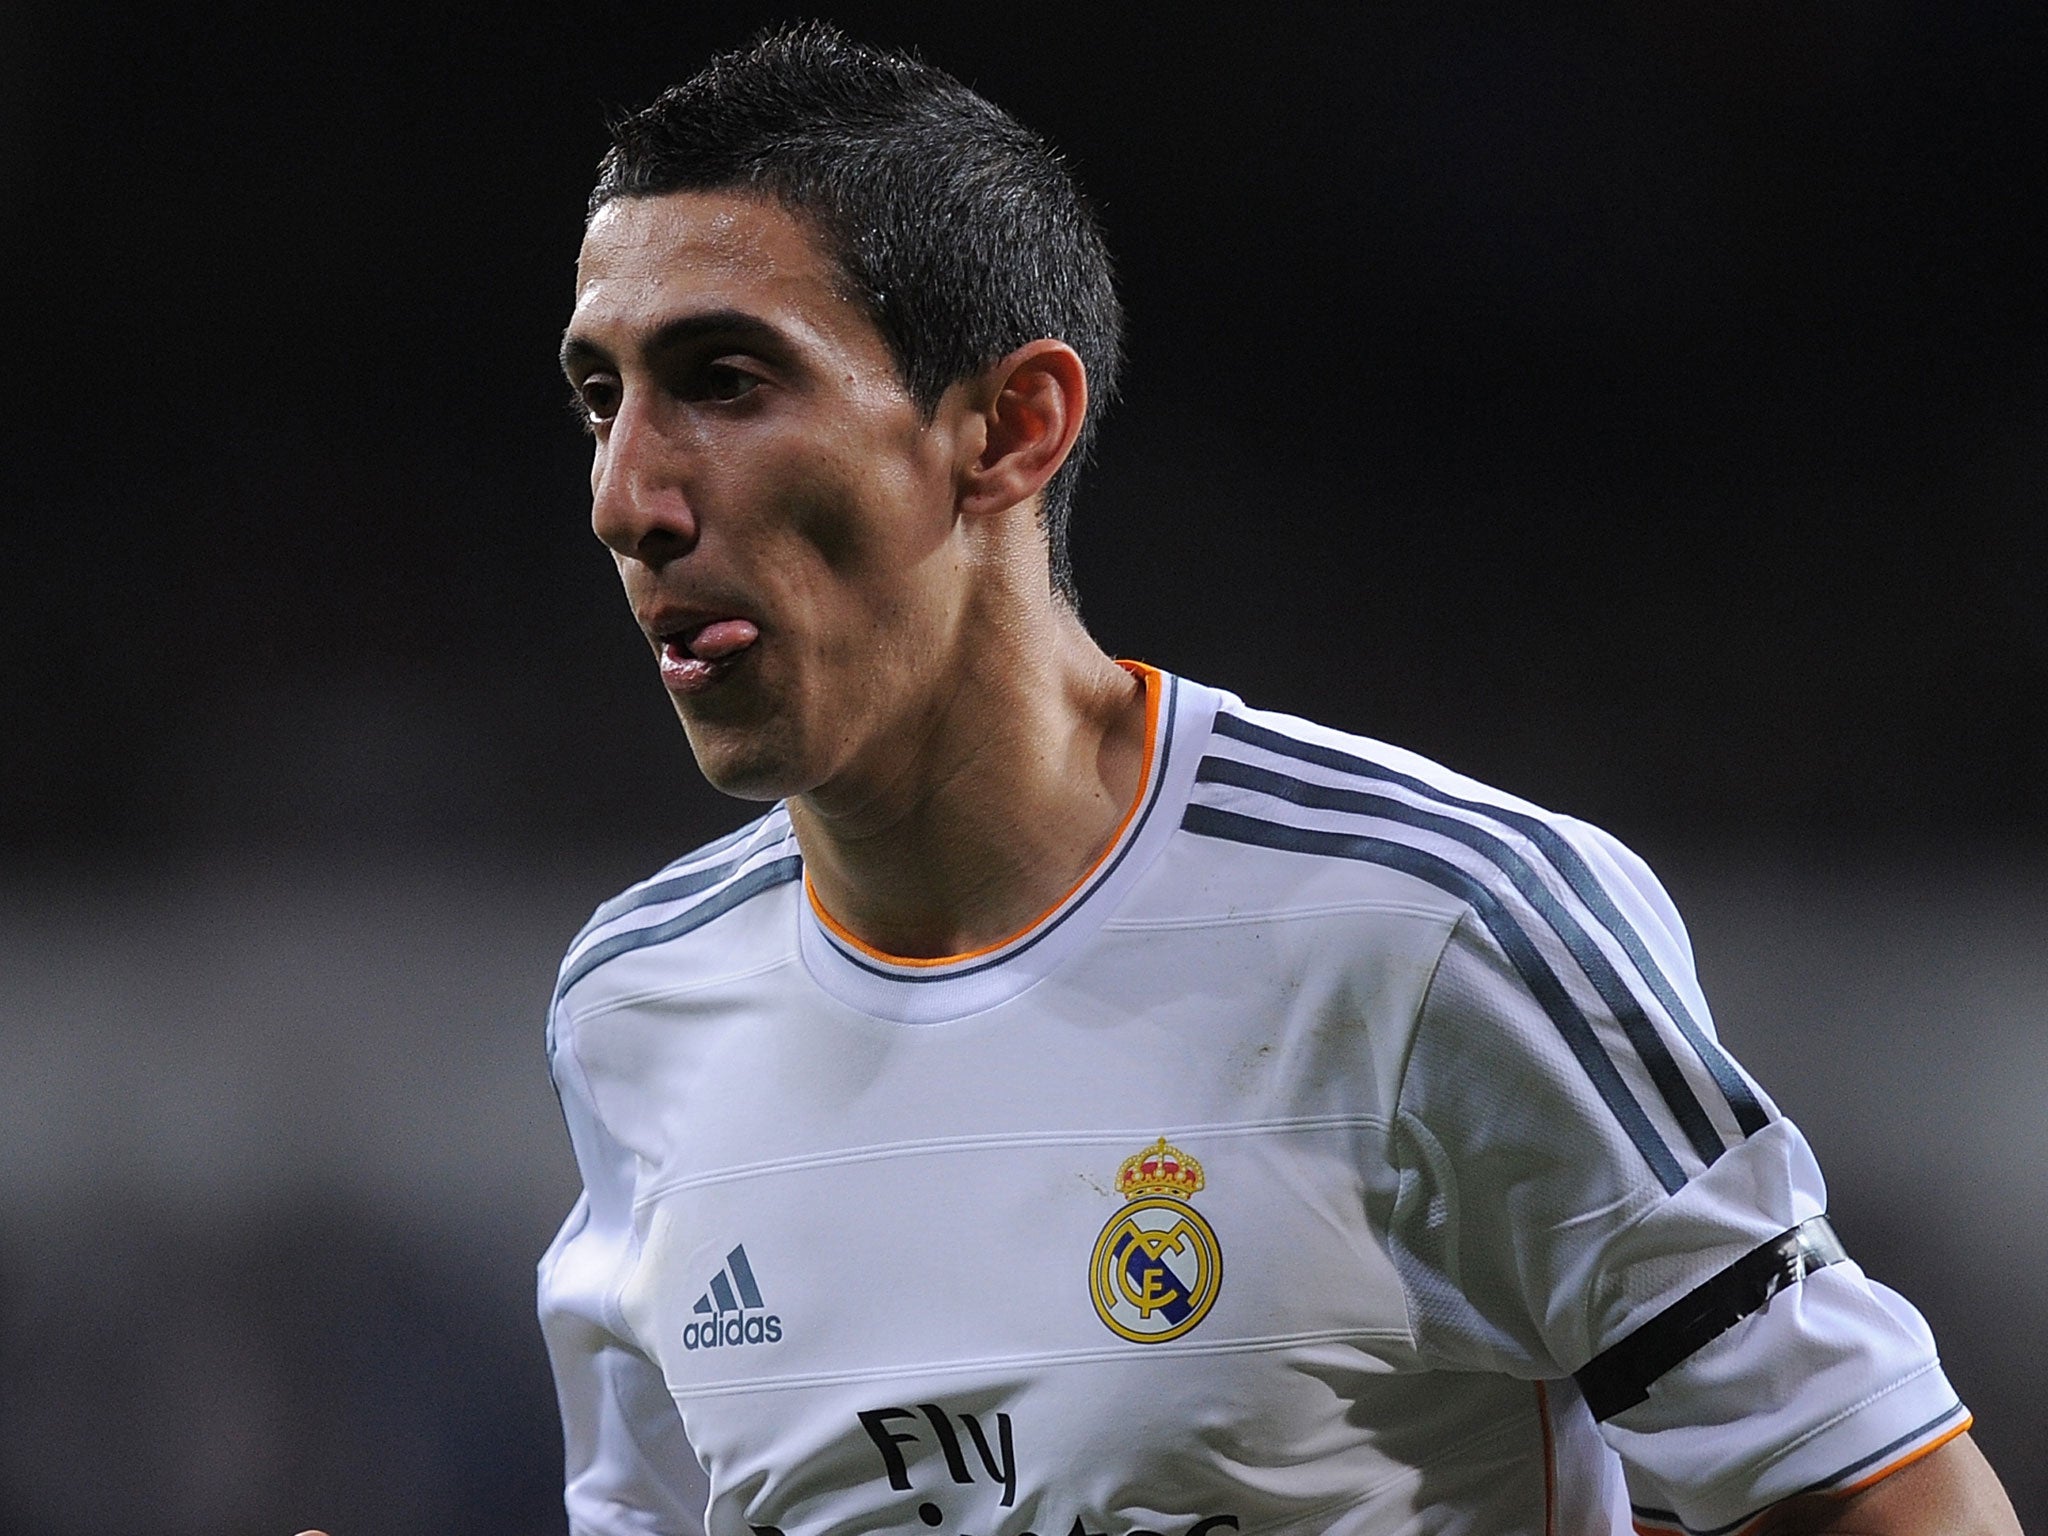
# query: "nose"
{"points": [[638, 502]]}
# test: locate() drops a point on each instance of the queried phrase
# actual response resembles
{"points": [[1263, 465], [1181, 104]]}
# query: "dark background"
{"points": [[1643, 407]]}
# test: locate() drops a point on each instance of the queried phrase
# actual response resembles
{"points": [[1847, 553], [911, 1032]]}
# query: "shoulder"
{"points": [[1290, 785], [683, 896]]}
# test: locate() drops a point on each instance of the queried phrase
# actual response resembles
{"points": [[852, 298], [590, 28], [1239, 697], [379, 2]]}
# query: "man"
{"points": [[1084, 1104]]}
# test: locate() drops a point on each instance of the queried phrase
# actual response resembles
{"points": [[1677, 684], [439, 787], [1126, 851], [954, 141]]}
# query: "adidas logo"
{"points": [[731, 1310]]}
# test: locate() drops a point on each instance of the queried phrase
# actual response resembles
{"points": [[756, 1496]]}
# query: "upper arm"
{"points": [[629, 1469], [1951, 1491], [1590, 1189]]}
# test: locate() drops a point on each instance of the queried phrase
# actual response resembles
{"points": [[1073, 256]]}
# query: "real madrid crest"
{"points": [[1157, 1266]]}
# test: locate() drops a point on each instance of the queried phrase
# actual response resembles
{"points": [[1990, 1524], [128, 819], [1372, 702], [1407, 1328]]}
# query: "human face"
{"points": [[781, 513]]}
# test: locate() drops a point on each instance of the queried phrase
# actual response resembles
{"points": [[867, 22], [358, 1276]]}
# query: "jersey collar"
{"points": [[920, 991]]}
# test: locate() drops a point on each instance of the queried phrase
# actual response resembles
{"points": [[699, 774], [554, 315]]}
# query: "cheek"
{"points": [[874, 528], [625, 568], [834, 523], [864, 511]]}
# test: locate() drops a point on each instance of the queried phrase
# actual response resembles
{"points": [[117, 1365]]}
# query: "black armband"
{"points": [[1619, 1376]]}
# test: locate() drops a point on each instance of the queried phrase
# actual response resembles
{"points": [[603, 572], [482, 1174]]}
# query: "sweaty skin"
{"points": [[1951, 1491], [851, 608], [850, 603], [870, 592]]}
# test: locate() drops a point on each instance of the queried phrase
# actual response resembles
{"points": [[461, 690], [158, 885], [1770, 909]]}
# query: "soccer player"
{"points": [[1083, 1104]]}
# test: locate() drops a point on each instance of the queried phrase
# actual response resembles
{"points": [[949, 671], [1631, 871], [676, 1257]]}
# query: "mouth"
{"points": [[696, 654]]}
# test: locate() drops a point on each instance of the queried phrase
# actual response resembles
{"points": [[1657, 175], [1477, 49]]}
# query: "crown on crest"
{"points": [[1159, 1170]]}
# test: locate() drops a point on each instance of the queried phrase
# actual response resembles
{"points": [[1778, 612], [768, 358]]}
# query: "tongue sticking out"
{"points": [[693, 662], [722, 638]]}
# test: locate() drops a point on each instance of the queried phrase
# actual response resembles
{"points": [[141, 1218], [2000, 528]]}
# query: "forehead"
{"points": [[646, 261]]}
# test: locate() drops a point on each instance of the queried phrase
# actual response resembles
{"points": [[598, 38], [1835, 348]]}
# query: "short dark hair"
{"points": [[957, 228]]}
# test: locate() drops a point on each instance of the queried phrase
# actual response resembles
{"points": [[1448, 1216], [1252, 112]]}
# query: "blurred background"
{"points": [[1641, 407]]}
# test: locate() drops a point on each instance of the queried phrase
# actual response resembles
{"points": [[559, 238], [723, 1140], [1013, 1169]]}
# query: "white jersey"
{"points": [[1349, 1152]]}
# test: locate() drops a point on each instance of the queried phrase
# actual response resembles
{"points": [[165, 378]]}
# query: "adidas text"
{"points": [[722, 1332]]}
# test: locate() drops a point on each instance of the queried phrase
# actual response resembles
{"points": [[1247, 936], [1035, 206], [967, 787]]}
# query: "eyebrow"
{"points": [[726, 324]]}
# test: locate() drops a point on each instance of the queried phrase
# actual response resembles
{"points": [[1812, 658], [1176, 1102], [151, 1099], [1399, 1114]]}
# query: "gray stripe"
{"points": [[671, 889], [1543, 985], [1742, 1100], [748, 886], [1670, 1517], [1628, 1011]]}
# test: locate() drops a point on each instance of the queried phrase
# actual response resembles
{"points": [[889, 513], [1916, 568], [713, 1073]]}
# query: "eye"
{"points": [[727, 381], [594, 400]]}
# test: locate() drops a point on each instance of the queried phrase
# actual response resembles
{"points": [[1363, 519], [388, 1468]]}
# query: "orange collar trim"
{"points": [[1154, 689]]}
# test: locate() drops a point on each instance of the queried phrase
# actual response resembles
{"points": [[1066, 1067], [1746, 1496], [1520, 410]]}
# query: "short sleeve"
{"points": [[630, 1470], [1588, 1187]]}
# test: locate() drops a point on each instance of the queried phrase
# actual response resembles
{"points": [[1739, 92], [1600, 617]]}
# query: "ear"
{"points": [[1031, 405]]}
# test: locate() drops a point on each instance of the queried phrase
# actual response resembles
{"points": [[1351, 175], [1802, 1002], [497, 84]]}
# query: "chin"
{"points": [[745, 764]]}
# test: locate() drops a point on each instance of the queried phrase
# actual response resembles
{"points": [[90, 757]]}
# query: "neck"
{"points": [[1020, 779]]}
